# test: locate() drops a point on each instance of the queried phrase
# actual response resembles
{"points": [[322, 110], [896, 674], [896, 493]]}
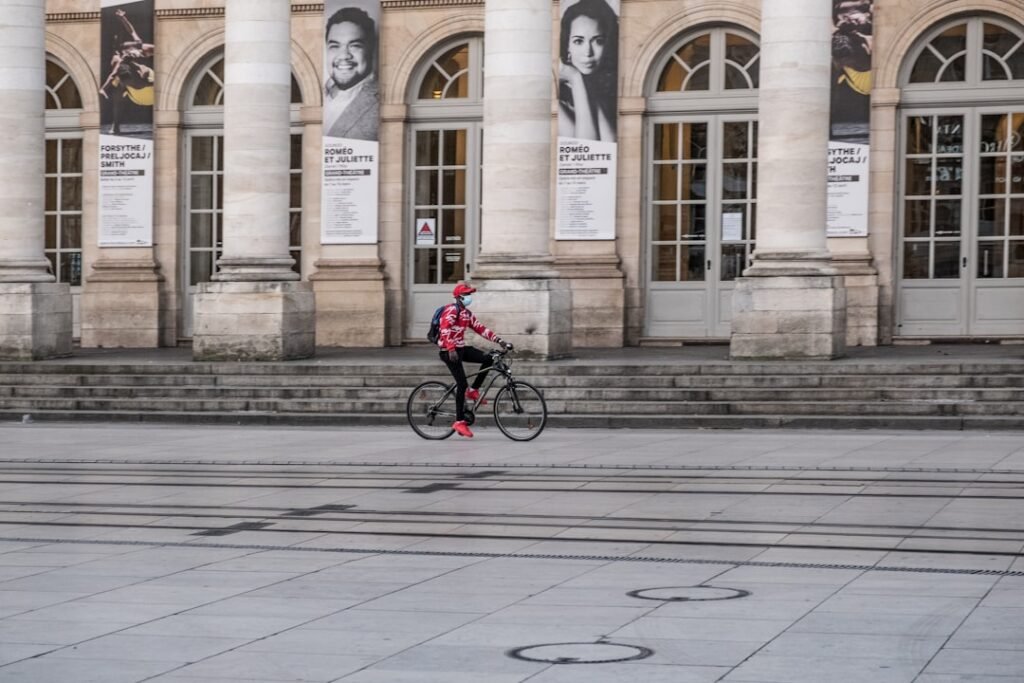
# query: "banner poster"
{"points": [[850, 121], [351, 122], [588, 75], [126, 124]]}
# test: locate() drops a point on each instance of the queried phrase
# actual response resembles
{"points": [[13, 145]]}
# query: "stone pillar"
{"points": [[521, 295], [791, 303], [255, 309], [35, 311]]}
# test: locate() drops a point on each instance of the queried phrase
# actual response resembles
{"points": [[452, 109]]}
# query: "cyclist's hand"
{"points": [[507, 345], [453, 355]]}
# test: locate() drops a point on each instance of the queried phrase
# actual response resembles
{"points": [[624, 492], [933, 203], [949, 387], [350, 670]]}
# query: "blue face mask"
{"points": [[467, 300]]}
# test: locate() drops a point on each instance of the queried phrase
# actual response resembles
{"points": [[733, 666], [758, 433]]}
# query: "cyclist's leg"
{"points": [[459, 373], [472, 355]]}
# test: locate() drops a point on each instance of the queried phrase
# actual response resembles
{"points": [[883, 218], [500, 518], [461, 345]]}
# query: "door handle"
{"points": [[964, 264], [709, 264]]}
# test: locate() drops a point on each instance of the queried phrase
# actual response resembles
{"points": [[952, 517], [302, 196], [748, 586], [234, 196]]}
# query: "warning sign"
{"points": [[426, 231]]}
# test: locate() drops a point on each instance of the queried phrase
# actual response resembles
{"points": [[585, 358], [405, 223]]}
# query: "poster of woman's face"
{"points": [[588, 69]]}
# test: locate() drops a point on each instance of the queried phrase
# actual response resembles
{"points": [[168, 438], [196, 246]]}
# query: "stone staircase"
{"points": [[849, 394]]}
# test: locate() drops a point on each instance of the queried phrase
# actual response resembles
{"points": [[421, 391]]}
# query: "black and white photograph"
{"points": [[351, 91], [587, 155], [351, 122], [588, 70]]}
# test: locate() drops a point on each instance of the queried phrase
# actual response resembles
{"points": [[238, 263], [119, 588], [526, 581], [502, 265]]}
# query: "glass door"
{"points": [[445, 214], [961, 266], [702, 189]]}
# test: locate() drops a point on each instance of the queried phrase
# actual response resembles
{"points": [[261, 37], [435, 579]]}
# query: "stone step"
{"points": [[590, 394], [596, 421], [555, 406], [820, 369]]}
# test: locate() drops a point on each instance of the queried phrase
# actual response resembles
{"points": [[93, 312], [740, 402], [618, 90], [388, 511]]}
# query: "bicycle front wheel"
{"points": [[431, 410], [520, 411]]}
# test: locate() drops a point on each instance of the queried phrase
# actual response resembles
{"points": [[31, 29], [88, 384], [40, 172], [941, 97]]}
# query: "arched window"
{"points": [[970, 52], [701, 180], [961, 209], [445, 139], [712, 61], [209, 89], [63, 207], [448, 75], [204, 178]]}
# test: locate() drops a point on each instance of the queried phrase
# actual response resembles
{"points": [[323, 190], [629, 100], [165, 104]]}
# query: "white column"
{"points": [[791, 302], [793, 121], [257, 88], [517, 129], [35, 313], [255, 310], [22, 90], [521, 293]]}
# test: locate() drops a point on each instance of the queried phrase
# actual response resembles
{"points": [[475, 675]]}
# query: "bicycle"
{"points": [[519, 408]]}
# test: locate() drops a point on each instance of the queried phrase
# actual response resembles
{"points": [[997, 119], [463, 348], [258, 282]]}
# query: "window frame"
{"points": [[972, 89], [717, 98]]}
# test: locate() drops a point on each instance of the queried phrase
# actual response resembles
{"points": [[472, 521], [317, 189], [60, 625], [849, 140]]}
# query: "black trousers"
{"points": [[470, 355]]}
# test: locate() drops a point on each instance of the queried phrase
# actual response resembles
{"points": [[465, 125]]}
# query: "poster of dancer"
{"points": [[126, 123], [588, 75], [351, 114], [850, 120]]}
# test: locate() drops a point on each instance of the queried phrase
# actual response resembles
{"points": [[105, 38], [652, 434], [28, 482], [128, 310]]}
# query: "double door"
{"points": [[444, 215], [960, 257], [701, 200]]}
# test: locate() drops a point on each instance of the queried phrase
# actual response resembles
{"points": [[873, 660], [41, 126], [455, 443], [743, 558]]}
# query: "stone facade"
{"points": [[362, 291]]}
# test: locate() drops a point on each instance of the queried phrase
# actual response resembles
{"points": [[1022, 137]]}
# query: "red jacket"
{"points": [[454, 321]]}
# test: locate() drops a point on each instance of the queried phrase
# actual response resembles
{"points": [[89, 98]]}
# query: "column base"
{"points": [[861, 283], [350, 303], [598, 300], [254, 321], [35, 321], [121, 305], [789, 317], [535, 315]]}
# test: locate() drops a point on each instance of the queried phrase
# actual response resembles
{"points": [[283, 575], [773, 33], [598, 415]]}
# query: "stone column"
{"points": [[35, 311], [791, 303], [522, 295], [255, 309]]}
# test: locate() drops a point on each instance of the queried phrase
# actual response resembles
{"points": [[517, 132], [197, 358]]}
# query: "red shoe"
{"points": [[474, 394], [463, 429]]}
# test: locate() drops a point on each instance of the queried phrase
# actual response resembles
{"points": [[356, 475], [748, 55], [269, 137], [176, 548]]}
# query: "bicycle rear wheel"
{"points": [[431, 410], [520, 411]]}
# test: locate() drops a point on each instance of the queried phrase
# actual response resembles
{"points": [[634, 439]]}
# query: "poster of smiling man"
{"points": [[850, 120], [588, 75], [351, 114], [126, 123]]}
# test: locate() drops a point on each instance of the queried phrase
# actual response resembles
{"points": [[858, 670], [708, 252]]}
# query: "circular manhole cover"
{"points": [[688, 593], [580, 653]]}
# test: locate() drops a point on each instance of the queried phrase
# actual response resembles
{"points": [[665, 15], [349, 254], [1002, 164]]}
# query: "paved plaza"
{"points": [[195, 554]]}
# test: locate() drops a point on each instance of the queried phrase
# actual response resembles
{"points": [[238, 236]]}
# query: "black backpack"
{"points": [[434, 333]]}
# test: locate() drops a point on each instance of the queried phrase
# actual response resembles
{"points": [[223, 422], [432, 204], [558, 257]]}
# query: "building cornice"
{"points": [[208, 12]]}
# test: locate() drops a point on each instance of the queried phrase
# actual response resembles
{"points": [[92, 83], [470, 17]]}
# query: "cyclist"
{"points": [[455, 318]]}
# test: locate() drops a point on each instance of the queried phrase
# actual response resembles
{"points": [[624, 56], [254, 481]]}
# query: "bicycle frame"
{"points": [[499, 369]]}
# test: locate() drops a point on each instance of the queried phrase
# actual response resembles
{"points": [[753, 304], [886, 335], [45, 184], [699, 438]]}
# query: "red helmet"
{"points": [[462, 289]]}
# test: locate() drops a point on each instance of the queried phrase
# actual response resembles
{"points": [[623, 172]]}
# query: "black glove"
{"points": [[453, 355], [506, 345]]}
